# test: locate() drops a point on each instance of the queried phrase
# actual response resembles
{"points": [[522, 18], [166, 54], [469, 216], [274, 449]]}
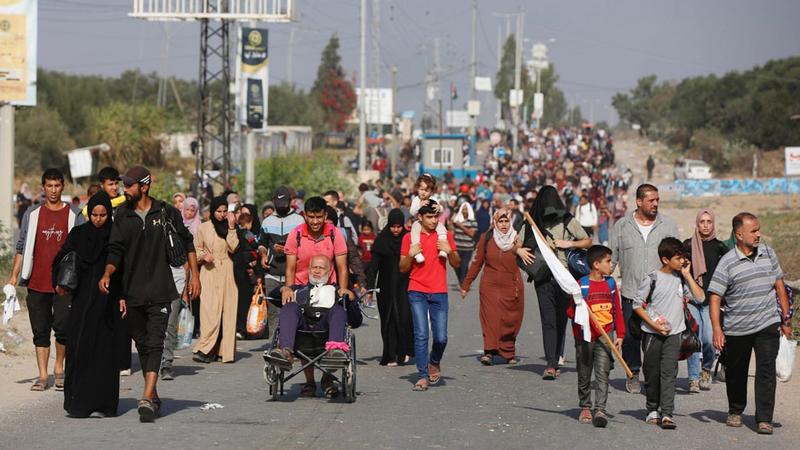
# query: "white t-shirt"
{"points": [[644, 229]]}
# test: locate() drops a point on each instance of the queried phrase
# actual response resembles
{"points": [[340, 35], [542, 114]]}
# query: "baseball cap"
{"points": [[282, 197], [136, 174]]}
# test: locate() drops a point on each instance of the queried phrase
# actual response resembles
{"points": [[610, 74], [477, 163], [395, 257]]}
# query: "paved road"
{"points": [[479, 407]]}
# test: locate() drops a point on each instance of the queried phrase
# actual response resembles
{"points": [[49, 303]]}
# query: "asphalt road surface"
{"points": [[473, 406]]}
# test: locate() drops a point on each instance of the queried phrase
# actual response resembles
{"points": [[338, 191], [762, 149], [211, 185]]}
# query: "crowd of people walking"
{"points": [[125, 267]]}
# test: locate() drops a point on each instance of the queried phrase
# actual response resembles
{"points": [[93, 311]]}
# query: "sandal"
{"points": [[434, 373], [308, 390], [734, 420], [59, 381], [512, 360], [329, 387], [585, 416], [764, 428], [147, 411], [486, 360], [39, 385], [422, 385], [549, 374], [667, 423]]}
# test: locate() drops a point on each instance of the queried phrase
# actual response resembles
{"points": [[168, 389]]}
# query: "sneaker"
{"points": [[600, 420], [167, 374], [419, 258], [734, 420], [201, 358], [633, 385], [147, 411], [442, 254], [694, 386], [239, 335], [653, 418], [586, 416], [705, 380], [125, 373], [560, 360], [721, 374]]}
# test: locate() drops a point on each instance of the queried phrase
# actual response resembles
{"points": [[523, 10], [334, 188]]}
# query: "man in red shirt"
{"points": [[427, 293], [43, 231]]}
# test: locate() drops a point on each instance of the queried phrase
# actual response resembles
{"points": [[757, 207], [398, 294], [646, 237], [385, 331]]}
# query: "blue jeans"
{"points": [[423, 305], [631, 345], [706, 334]]}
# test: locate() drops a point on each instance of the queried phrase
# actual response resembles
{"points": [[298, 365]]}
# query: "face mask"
{"points": [[282, 210]]}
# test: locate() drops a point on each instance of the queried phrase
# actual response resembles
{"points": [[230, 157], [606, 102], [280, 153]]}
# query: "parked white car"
{"points": [[692, 169]]}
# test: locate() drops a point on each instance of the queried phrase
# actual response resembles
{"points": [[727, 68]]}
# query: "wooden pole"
{"points": [[603, 333]]}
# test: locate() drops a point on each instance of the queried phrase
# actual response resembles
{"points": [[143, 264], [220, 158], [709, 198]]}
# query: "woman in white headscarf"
{"points": [[502, 294], [464, 228]]}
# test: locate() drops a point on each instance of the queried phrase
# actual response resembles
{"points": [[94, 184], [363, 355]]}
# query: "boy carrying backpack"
{"points": [[600, 294], [663, 321]]}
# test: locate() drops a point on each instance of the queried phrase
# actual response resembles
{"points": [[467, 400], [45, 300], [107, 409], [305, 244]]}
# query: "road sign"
{"points": [[474, 108], [792, 155], [457, 119], [483, 84], [538, 105], [515, 97]]}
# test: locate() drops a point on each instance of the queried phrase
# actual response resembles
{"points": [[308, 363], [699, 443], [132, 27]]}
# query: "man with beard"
{"points": [[634, 242], [138, 245], [317, 293]]}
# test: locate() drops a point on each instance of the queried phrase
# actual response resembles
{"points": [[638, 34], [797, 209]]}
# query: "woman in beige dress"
{"points": [[215, 241]]}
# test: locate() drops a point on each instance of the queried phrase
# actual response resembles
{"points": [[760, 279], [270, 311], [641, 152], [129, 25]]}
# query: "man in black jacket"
{"points": [[138, 245]]}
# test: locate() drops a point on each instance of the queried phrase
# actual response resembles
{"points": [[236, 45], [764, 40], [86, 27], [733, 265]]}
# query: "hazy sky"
{"points": [[600, 47]]}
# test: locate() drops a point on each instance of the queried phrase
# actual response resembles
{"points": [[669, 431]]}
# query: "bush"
{"points": [[6, 252], [314, 173], [711, 146]]}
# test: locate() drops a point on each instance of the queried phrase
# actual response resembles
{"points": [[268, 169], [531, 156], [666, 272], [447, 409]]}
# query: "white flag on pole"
{"points": [[568, 284]]}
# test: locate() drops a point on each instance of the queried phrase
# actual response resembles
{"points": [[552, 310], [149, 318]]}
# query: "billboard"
{"points": [[377, 105], [253, 75], [18, 20]]}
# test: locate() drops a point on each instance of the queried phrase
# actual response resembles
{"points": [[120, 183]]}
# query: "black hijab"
{"points": [[256, 227], [548, 209], [386, 243], [220, 226], [92, 241]]}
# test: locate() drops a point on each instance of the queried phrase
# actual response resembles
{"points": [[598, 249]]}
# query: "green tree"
{"points": [[333, 92], [41, 138], [576, 117], [314, 173], [289, 105], [555, 104], [504, 80], [131, 131], [648, 104]]}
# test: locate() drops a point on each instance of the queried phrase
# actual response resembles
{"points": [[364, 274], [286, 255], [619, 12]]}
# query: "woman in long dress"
{"points": [[214, 242], [502, 294], [91, 385], [393, 306]]}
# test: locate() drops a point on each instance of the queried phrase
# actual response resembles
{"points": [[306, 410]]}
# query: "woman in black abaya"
{"points": [[393, 306], [91, 386]]}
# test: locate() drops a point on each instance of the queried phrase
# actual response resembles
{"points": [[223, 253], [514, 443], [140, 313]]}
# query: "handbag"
{"points": [[176, 252], [537, 271], [67, 272], [257, 314], [577, 258], [690, 343]]}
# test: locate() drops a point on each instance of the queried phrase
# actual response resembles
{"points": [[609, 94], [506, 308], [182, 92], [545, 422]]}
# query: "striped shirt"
{"points": [[747, 288], [465, 242]]}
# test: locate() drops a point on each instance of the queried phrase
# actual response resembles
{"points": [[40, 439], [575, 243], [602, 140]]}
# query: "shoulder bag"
{"points": [[67, 271], [176, 252]]}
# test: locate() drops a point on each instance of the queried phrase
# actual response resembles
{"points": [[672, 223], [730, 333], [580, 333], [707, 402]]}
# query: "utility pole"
{"points": [[6, 167], [289, 62], [517, 76], [362, 131], [499, 116], [376, 63], [474, 64], [395, 142]]}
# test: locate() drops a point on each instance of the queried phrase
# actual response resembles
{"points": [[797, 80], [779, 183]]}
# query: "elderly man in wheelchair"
{"points": [[313, 324]]}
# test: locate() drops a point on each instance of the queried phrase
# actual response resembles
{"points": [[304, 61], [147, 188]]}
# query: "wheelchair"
{"points": [[310, 351]]}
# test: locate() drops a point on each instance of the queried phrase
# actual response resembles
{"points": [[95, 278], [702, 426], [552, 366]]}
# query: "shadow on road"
{"points": [[185, 371], [169, 406], [538, 368], [572, 413]]}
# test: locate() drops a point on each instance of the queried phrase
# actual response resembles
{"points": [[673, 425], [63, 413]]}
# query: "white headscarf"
{"points": [[459, 217], [504, 241]]}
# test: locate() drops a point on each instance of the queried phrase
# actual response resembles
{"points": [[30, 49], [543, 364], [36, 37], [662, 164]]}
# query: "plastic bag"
{"points": [[257, 314], [185, 329], [785, 360]]}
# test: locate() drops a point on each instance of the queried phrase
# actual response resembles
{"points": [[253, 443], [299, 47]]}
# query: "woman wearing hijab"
{"points": [[191, 214], [24, 201], [91, 386], [705, 251], [246, 269], [562, 232], [465, 228], [502, 294], [393, 306], [215, 241]]}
